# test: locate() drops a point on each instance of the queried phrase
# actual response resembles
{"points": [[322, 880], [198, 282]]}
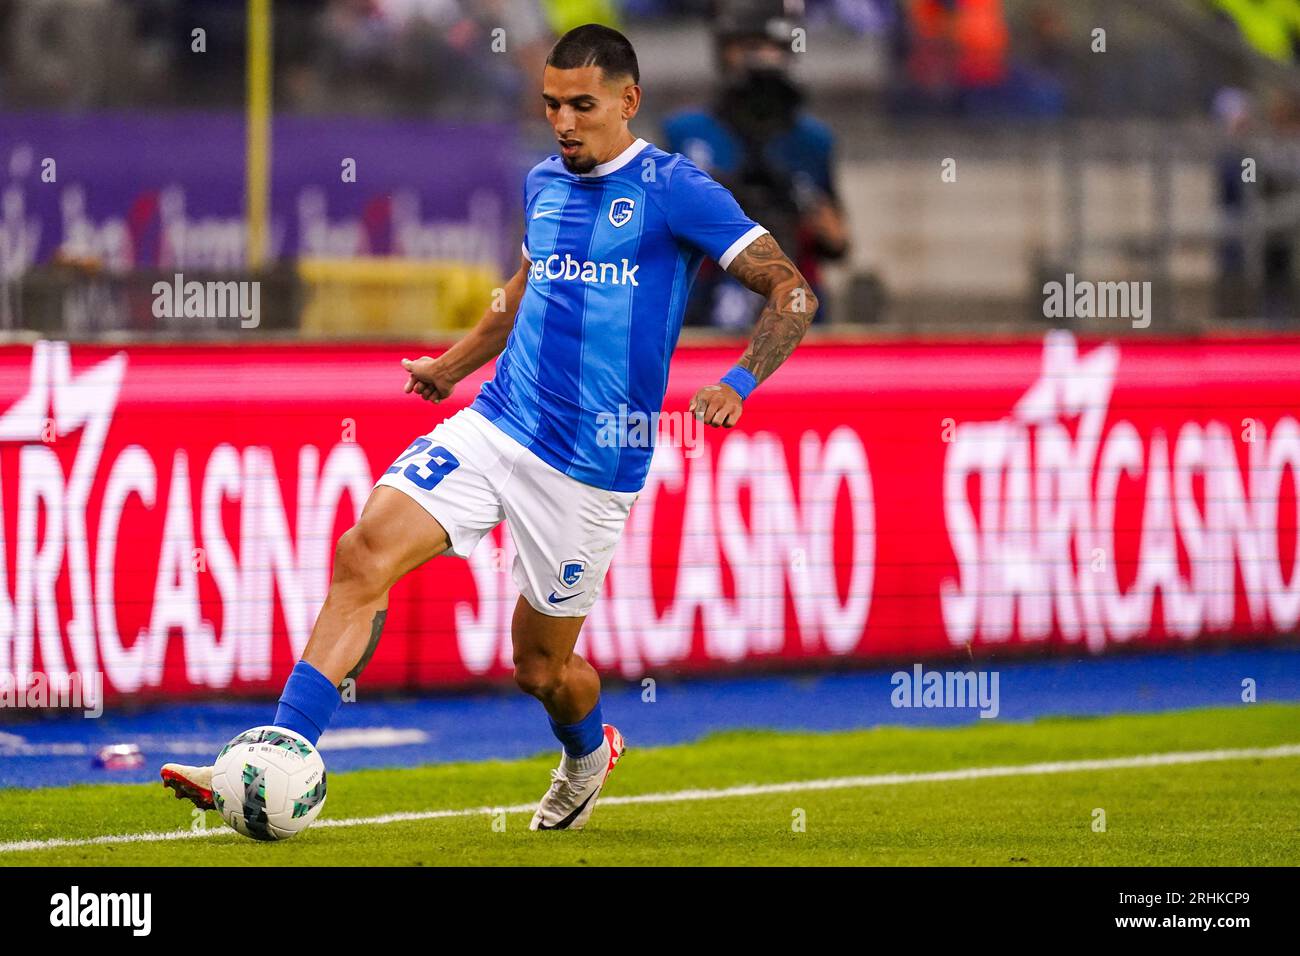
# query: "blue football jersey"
{"points": [[614, 253]]}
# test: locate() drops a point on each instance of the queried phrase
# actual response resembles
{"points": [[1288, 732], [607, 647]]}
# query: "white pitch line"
{"points": [[748, 790]]}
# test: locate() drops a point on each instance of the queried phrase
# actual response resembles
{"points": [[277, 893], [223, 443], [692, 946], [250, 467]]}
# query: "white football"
{"points": [[269, 783]]}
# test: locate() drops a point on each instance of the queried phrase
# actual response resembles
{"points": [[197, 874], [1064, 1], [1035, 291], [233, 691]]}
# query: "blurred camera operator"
{"points": [[755, 138]]}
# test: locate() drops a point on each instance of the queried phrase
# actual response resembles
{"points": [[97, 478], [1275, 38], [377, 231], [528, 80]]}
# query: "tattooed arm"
{"points": [[791, 305]]}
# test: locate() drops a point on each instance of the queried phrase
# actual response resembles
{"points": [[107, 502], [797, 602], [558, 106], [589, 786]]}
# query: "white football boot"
{"points": [[569, 802], [191, 783]]}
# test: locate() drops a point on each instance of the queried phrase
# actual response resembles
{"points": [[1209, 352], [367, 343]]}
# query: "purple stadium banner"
{"points": [[161, 191]]}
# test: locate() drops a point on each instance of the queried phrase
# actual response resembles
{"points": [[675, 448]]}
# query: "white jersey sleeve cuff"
{"points": [[737, 247], [524, 247]]}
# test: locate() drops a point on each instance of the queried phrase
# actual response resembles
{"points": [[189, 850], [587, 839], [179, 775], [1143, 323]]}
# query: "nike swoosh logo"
{"points": [[556, 599], [545, 212], [565, 823]]}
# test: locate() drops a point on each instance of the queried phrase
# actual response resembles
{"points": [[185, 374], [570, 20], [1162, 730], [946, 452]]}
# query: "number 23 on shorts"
{"points": [[439, 464]]}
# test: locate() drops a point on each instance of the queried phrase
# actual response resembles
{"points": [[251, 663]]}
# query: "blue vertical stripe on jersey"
{"points": [[543, 236], [686, 266], [607, 335], [645, 375], [560, 349]]}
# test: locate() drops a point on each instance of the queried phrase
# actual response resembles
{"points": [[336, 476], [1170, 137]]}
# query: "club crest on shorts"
{"points": [[620, 210], [571, 572]]}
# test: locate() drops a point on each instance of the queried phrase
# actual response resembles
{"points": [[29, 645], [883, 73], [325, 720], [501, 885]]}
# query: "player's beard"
{"points": [[579, 164]]}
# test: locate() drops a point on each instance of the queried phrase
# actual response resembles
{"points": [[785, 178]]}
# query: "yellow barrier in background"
{"points": [[397, 297]]}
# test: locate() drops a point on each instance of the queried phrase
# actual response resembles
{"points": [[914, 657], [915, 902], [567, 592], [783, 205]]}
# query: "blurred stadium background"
{"points": [[1114, 162], [944, 474]]}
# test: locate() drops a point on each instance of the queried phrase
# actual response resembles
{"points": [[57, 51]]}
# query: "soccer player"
{"points": [[615, 230]]}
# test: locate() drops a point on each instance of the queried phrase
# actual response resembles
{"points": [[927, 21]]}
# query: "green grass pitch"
{"points": [[1241, 811]]}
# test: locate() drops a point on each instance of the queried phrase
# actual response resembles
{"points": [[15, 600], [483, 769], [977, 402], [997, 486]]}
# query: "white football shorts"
{"points": [[470, 475]]}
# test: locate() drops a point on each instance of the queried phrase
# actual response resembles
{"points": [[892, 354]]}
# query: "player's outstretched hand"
{"points": [[427, 379], [717, 405]]}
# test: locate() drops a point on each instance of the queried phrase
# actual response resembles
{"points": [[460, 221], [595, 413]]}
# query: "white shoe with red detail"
{"points": [[190, 783], [569, 802]]}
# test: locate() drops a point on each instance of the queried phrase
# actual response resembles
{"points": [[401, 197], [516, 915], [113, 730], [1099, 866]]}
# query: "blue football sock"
{"points": [[583, 737], [308, 702]]}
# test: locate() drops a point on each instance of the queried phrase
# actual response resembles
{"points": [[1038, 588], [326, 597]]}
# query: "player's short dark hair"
{"points": [[594, 45]]}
